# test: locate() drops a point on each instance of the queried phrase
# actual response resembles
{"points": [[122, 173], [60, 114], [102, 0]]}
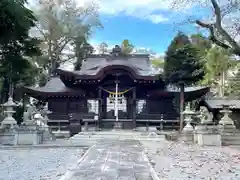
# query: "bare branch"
{"points": [[219, 27], [210, 27]]}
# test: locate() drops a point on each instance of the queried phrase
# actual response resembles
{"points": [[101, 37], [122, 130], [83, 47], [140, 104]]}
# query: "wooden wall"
{"points": [[155, 107]]}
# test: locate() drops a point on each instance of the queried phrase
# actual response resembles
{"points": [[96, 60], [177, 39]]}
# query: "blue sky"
{"points": [[146, 23]]}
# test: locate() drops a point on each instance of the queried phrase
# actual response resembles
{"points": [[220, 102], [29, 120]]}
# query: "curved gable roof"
{"points": [[53, 87], [97, 65]]}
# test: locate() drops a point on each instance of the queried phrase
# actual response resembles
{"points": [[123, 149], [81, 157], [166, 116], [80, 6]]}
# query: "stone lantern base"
{"points": [[207, 135], [23, 135], [186, 136]]}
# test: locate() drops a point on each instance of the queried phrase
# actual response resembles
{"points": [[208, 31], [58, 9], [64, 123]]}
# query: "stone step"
{"points": [[229, 143], [117, 137]]}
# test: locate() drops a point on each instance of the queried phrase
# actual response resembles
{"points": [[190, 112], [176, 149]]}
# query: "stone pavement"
{"points": [[113, 160]]}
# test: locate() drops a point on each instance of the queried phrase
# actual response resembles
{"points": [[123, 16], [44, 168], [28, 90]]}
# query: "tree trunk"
{"points": [[222, 85], [181, 106], [50, 60]]}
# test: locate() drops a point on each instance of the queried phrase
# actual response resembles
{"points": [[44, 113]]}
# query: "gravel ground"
{"points": [[178, 161], [37, 164]]}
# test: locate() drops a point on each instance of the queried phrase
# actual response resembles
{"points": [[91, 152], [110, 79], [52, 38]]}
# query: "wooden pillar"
{"points": [[104, 107], [100, 102], [134, 108], [129, 111]]}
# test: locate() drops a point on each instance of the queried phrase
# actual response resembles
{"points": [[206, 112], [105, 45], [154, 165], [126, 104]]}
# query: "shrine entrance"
{"points": [[116, 98], [116, 103]]}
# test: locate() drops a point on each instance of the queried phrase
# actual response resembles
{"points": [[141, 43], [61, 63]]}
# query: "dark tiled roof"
{"points": [[140, 64], [54, 86], [216, 103], [186, 89], [96, 65]]}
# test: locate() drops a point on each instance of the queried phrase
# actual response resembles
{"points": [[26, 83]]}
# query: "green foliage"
{"points": [[234, 85], [81, 49], [171, 63], [182, 62], [127, 47], [15, 18], [61, 24], [158, 62], [16, 46], [203, 44], [189, 70], [42, 79], [217, 62]]}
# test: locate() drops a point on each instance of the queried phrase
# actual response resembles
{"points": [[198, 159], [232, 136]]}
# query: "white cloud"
{"points": [[143, 9]]}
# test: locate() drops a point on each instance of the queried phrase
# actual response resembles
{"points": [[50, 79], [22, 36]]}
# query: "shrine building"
{"points": [[112, 88]]}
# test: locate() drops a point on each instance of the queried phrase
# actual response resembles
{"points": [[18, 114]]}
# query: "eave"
{"points": [[54, 88]]}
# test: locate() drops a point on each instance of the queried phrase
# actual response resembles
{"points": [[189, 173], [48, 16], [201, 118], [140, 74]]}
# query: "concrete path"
{"points": [[113, 160]]}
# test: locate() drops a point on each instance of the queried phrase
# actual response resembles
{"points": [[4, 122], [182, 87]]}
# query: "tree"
{"points": [[218, 61], [158, 64], [16, 46], [225, 26], [201, 43], [189, 69], [62, 23], [182, 67], [127, 47], [170, 64], [102, 48], [82, 49]]}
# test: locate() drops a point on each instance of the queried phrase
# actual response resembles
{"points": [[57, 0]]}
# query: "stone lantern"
{"points": [[226, 124], [9, 120], [206, 133], [226, 120], [188, 113], [187, 132]]}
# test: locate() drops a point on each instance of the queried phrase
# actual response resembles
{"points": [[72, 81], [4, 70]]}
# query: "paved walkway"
{"points": [[113, 160]]}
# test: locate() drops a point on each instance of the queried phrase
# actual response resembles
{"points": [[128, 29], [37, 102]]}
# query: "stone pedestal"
{"points": [[29, 137], [47, 134], [117, 125], [8, 137], [23, 135], [209, 139], [186, 137], [207, 135]]}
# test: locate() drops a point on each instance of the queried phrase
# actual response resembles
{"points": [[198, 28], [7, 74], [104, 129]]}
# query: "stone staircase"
{"points": [[91, 138]]}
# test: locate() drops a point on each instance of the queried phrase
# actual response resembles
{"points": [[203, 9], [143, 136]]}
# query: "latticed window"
{"points": [[141, 105], [93, 106], [122, 104]]}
